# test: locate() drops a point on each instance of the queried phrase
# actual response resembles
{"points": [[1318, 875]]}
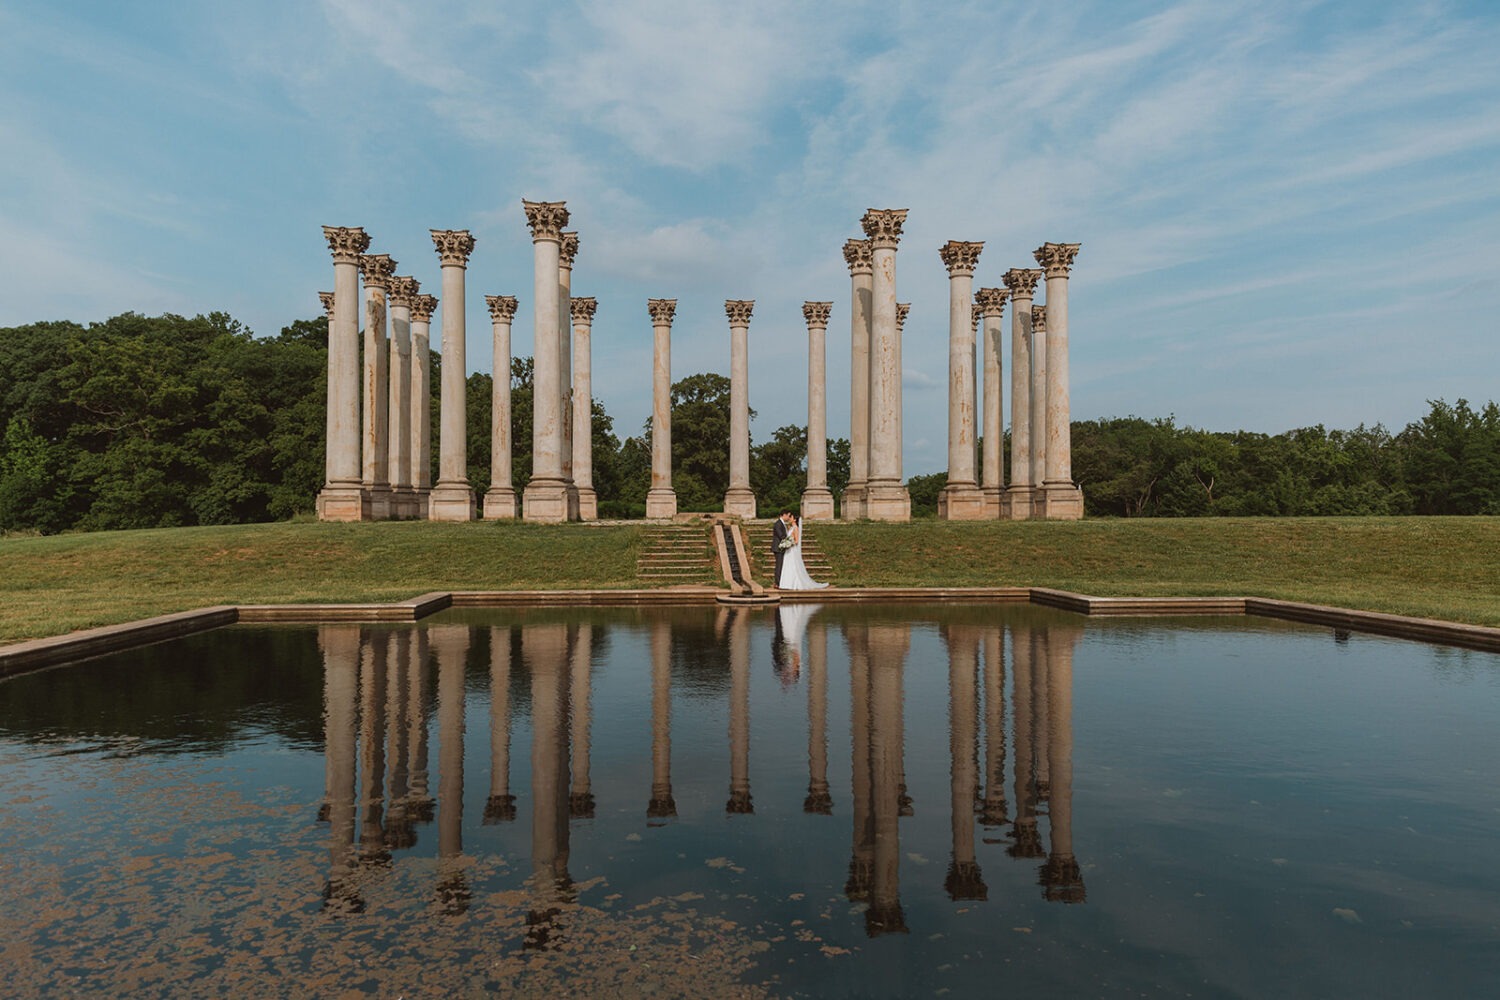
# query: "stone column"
{"points": [[857, 254], [331, 418], [546, 495], [580, 718], [342, 497], [500, 500], [376, 269], [452, 499], [583, 409], [739, 499], [990, 303], [661, 499], [1038, 409], [566, 252], [403, 290], [961, 499], [1064, 498], [1061, 876], [1021, 283], [422, 308], [965, 879], [886, 495], [501, 805], [662, 805], [817, 499]]}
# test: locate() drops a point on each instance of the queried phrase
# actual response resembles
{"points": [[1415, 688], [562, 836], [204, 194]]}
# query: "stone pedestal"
{"points": [[342, 495], [422, 308], [817, 499], [961, 499], [1021, 283], [582, 310], [886, 497], [858, 255], [661, 499], [990, 305], [500, 500], [452, 499], [1063, 498], [376, 269], [398, 406], [546, 494], [739, 499]]}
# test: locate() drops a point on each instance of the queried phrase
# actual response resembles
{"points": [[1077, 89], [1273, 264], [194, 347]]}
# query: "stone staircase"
{"points": [[758, 540], [675, 554]]}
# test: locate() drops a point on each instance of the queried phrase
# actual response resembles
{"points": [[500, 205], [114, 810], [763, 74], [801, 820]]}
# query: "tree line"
{"points": [[165, 421]]}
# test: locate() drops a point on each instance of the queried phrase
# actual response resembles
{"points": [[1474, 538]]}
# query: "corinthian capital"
{"points": [[1021, 281], [568, 250], [376, 269], [1038, 319], [975, 315], [1056, 258], [857, 256], [582, 308], [502, 307], [662, 311], [883, 227], [817, 313], [546, 219], [422, 307], [327, 299], [960, 257], [403, 290], [991, 301], [738, 311], [902, 310], [453, 246], [346, 243]]}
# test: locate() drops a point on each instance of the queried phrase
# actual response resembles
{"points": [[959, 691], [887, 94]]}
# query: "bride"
{"points": [[793, 570]]}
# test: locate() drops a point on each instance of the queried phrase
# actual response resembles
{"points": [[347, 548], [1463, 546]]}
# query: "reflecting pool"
{"points": [[804, 801]]}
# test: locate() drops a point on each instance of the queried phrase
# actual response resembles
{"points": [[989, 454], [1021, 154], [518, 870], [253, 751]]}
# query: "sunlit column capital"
{"points": [[883, 227], [346, 243]]}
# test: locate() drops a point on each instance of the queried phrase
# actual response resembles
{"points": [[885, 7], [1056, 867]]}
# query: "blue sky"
{"points": [[1290, 212]]}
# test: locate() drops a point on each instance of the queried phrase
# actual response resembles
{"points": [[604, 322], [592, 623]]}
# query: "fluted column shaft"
{"points": [[582, 437], [817, 499], [661, 499], [991, 305], [1064, 501], [377, 270], [398, 405], [857, 254], [886, 495], [1020, 282], [739, 499], [453, 499], [567, 251], [961, 499], [423, 307], [500, 499], [341, 498], [546, 494]]}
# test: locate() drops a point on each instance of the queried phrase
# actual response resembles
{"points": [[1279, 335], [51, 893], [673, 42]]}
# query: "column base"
{"points": [[661, 503], [403, 503], [852, 503], [961, 502], [994, 503], [887, 502], [1062, 502], [545, 500], [740, 502], [380, 501], [453, 501], [501, 504], [817, 504], [574, 513], [588, 504], [342, 502], [421, 496], [1018, 502]]}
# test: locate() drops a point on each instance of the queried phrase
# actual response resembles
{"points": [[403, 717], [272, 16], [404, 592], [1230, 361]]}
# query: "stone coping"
{"points": [[35, 654]]}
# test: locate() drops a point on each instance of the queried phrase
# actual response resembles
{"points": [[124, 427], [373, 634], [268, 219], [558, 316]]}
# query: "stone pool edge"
{"points": [[35, 654]]}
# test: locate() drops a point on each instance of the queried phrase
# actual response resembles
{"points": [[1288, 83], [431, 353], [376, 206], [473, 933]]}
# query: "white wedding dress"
{"points": [[794, 571]]}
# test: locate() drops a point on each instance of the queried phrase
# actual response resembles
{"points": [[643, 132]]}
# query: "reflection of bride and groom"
{"points": [[786, 549], [786, 644]]}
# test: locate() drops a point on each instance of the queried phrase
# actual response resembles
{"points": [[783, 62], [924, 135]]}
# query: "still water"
{"points": [[805, 801]]}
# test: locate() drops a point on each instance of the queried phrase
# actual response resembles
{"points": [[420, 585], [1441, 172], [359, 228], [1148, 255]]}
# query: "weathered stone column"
{"points": [[398, 402], [817, 499], [500, 500], [990, 303], [422, 308], [1021, 282], [342, 496], [376, 269], [1064, 498], [583, 409], [661, 805], [965, 879], [452, 499], [886, 495], [546, 495], [661, 499], [857, 254], [326, 299], [501, 805], [961, 499], [567, 251], [1038, 409], [739, 499]]}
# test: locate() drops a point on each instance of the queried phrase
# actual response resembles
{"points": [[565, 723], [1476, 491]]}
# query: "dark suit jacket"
{"points": [[778, 535]]}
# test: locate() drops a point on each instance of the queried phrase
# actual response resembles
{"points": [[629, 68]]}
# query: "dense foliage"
{"points": [[160, 421]]}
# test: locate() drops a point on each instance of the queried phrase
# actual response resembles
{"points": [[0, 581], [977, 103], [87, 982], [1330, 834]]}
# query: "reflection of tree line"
{"points": [[377, 686]]}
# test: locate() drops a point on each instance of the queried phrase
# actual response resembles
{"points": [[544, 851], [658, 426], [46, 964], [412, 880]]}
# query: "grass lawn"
{"points": [[1433, 567]]}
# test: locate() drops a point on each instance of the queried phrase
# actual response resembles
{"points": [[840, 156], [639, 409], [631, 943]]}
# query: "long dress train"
{"points": [[794, 574]]}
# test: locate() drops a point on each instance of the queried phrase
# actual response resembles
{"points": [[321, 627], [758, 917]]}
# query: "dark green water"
{"points": [[921, 801]]}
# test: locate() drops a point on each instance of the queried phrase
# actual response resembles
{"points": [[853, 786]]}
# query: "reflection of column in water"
{"points": [[400, 830], [904, 800], [739, 715], [581, 799], [501, 804], [545, 649], [372, 689], [994, 810], [888, 646], [418, 691], [340, 647], [862, 858], [662, 804], [1026, 842], [1061, 877], [965, 881], [818, 798], [450, 647], [1043, 772]]}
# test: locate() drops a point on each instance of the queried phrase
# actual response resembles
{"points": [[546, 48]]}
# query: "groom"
{"points": [[778, 535]]}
